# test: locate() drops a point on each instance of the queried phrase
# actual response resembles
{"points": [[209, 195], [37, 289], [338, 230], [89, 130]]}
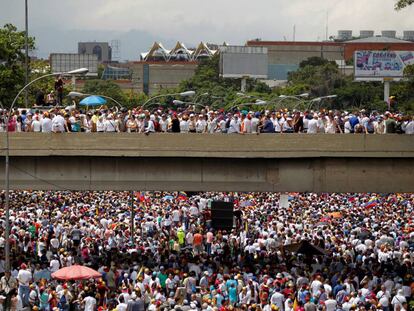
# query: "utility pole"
{"points": [[132, 217], [26, 59]]}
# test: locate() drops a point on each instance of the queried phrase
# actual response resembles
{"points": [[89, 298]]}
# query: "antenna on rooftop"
{"points": [[327, 25]]}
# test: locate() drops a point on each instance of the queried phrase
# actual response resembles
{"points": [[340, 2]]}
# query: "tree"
{"points": [[106, 88], [313, 61], [12, 77], [401, 4], [319, 80], [207, 80]]}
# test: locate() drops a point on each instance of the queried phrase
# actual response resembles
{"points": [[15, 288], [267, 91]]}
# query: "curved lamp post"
{"points": [[78, 94], [79, 71], [183, 94], [319, 100]]}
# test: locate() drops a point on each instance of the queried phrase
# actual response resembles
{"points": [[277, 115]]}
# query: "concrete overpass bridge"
{"points": [[201, 162]]}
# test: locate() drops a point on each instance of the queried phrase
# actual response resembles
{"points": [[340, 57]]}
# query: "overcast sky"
{"points": [[59, 25]]}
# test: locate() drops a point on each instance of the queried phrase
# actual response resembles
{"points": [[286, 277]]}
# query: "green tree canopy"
{"points": [[401, 4], [12, 43], [314, 61]]}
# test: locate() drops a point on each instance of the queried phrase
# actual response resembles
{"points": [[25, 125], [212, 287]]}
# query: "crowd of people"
{"points": [[207, 121], [171, 258]]}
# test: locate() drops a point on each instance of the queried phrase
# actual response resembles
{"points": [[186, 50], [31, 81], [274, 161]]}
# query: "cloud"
{"points": [[191, 21]]}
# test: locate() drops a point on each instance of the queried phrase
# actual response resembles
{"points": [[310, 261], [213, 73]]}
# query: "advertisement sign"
{"points": [[377, 65], [63, 62], [243, 61]]}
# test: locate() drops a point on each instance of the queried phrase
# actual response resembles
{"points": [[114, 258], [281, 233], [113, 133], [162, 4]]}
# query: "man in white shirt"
{"points": [[398, 300], [151, 126], [24, 277], [46, 123], [201, 124], [255, 123], [247, 124], [89, 303], [58, 123], [384, 297], [330, 304], [234, 125], [36, 125], [54, 264], [184, 125], [278, 299], [408, 127], [313, 125], [110, 125]]}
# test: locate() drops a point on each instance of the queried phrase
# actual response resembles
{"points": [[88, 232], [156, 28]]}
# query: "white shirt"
{"points": [[409, 128], [254, 124], [234, 126], [24, 277], [90, 303], [36, 125], [247, 125], [46, 125], [313, 126], [184, 126], [278, 300], [398, 301], [58, 124], [164, 125], [330, 305], [110, 126], [150, 127], [201, 126], [54, 265], [100, 127]]}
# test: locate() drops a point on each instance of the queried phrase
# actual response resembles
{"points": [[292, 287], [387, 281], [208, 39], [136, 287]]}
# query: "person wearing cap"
{"points": [[24, 277]]}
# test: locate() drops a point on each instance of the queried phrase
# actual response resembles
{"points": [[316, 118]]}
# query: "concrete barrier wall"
{"points": [[209, 145], [211, 174]]}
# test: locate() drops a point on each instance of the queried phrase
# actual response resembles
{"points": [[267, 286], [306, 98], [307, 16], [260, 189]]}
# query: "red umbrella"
{"points": [[76, 272]]}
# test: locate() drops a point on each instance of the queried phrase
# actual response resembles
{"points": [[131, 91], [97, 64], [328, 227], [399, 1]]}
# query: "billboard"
{"points": [[380, 65], [64, 62], [243, 61]]}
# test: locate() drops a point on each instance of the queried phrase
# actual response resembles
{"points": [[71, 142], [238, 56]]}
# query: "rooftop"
{"points": [[378, 39]]}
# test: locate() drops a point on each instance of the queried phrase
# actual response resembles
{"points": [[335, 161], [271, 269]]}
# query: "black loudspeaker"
{"points": [[222, 214]]}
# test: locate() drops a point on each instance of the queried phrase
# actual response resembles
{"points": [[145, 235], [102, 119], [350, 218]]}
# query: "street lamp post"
{"points": [[26, 48], [78, 94], [183, 94], [7, 160], [320, 99]]}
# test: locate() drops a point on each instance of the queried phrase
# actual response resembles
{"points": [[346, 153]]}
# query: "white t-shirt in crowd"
{"points": [[24, 277], [90, 303], [58, 124], [46, 124], [313, 126], [330, 305]]}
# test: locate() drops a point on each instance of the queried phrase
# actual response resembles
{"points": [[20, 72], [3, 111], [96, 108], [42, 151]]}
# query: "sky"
{"points": [[59, 25]]}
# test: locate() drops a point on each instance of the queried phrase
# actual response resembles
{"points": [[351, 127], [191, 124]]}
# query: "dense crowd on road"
{"points": [[170, 257], [208, 121]]}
